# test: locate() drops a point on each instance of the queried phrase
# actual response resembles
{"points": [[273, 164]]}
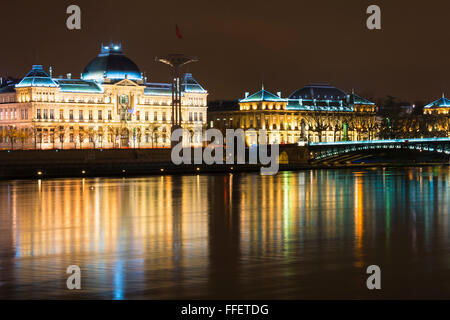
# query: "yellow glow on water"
{"points": [[359, 226], [159, 235]]}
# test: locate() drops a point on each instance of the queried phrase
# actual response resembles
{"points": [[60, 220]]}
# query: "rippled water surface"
{"points": [[307, 234]]}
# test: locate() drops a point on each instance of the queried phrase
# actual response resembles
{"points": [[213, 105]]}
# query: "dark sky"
{"points": [[240, 44]]}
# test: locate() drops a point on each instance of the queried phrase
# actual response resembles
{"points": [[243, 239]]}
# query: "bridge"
{"points": [[353, 150]]}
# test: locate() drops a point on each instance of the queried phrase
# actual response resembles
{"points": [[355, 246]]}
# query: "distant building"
{"points": [[440, 106], [112, 105], [314, 113]]}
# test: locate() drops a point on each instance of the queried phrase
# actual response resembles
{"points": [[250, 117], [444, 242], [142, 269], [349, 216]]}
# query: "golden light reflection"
{"points": [[154, 233], [359, 226]]}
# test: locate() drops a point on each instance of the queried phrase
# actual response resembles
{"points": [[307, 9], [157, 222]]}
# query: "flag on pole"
{"points": [[177, 32]]}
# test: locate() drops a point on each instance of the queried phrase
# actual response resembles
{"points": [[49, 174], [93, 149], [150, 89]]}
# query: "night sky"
{"points": [[240, 44]]}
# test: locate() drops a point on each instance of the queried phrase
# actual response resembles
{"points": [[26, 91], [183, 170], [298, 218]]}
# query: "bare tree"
{"points": [[12, 133], [81, 136]]}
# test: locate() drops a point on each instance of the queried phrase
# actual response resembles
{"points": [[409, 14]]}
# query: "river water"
{"points": [[295, 235]]}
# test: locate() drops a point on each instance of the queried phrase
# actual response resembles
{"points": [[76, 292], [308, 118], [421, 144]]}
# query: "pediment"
{"points": [[126, 83]]}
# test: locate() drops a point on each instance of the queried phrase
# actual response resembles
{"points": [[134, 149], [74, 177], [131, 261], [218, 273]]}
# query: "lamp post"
{"points": [[176, 61]]}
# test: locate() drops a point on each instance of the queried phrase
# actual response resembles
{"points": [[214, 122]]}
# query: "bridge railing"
{"points": [[330, 149], [387, 141]]}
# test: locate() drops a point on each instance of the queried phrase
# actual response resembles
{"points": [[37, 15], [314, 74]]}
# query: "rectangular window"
{"points": [[164, 116], [155, 116], [146, 116], [15, 114], [61, 114], [91, 117], [138, 116], [71, 137], [190, 116], [109, 115], [52, 114], [1, 114], [38, 114], [71, 114], [100, 115], [45, 114], [201, 116], [195, 116], [80, 115]]}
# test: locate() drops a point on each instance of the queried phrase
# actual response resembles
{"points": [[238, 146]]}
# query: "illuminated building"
{"points": [[112, 105], [313, 113], [440, 106], [437, 115]]}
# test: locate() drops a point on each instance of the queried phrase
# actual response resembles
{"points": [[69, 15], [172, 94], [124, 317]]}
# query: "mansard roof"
{"points": [[37, 77], [319, 92], [440, 103], [263, 95], [158, 89], [189, 84], [361, 100], [324, 97], [75, 85]]}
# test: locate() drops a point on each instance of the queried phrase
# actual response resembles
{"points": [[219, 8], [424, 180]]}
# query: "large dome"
{"points": [[112, 64]]}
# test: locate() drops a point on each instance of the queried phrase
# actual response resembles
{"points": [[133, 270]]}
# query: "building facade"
{"points": [[440, 107], [316, 113], [111, 106], [437, 117]]}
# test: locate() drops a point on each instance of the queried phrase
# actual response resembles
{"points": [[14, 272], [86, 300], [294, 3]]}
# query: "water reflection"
{"points": [[307, 234]]}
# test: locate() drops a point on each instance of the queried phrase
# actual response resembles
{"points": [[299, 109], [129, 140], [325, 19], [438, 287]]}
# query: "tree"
{"points": [[92, 136], [23, 136], [319, 123], [372, 127], [61, 133], [138, 136], [81, 136], [12, 133]]}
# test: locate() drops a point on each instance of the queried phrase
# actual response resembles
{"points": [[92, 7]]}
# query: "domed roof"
{"points": [[111, 63], [318, 91]]}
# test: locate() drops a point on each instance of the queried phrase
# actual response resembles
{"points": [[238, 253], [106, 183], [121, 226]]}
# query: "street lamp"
{"points": [[176, 61]]}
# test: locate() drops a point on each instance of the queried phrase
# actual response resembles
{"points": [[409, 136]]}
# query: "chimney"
{"points": [[50, 71], [69, 76], [246, 94], [279, 94]]}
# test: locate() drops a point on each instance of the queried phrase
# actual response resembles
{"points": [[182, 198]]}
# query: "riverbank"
{"points": [[40, 164]]}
